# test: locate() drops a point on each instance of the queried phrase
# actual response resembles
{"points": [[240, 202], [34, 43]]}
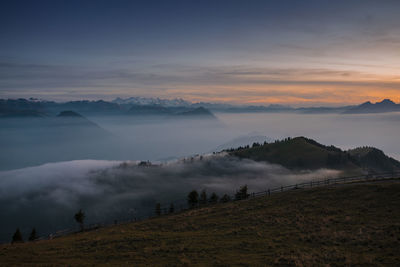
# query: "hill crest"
{"points": [[303, 153]]}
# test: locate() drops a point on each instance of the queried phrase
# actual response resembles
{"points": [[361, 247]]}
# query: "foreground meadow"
{"points": [[356, 224]]}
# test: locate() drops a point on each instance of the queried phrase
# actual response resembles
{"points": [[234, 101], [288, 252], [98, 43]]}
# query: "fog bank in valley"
{"points": [[31, 142], [47, 196]]}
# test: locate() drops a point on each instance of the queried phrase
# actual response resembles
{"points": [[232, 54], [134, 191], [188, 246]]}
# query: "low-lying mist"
{"points": [[47, 196], [29, 142]]}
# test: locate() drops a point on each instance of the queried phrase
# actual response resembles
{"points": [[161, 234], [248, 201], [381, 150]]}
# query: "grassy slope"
{"points": [[350, 224]]}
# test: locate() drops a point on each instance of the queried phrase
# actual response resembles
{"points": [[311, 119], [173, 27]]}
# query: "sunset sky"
{"points": [[300, 53]]}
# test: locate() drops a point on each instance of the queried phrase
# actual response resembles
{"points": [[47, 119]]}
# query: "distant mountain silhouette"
{"points": [[324, 110], [69, 113], [177, 102], [385, 105], [156, 106], [197, 112], [273, 108], [22, 114], [149, 110], [301, 153], [21, 108], [170, 111], [73, 125], [88, 107]]}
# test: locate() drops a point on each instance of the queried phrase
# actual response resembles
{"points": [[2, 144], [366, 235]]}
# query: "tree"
{"points": [[193, 199], [171, 208], [255, 144], [225, 198], [158, 209], [213, 198], [203, 197], [17, 237], [33, 236], [79, 218], [242, 193]]}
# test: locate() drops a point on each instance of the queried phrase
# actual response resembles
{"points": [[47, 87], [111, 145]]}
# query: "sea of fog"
{"points": [[158, 139], [45, 195]]}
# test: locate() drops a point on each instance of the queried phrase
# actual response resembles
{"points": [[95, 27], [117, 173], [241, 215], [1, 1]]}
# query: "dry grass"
{"points": [[334, 226]]}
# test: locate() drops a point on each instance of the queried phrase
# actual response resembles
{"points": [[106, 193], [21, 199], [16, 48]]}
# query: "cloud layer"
{"points": [[202, 51], [47, 196]]}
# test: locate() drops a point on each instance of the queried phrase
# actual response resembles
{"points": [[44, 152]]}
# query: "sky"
{"points": [[300, 53]]}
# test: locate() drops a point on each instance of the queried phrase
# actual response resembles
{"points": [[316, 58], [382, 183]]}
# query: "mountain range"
{"points": [[385, 105], [156, 106], [12, 108], [143, 101]]}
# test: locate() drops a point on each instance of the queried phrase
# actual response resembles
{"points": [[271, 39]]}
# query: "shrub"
{"points": [[225, 198]]}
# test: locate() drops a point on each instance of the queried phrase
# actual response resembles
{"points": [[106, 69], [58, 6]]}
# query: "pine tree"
{"points": [[158, 209], [193, 199], [203, 198], [171, 208], [213, 198], [79, 218], [242, 193], [33, 236], [17, 237]]}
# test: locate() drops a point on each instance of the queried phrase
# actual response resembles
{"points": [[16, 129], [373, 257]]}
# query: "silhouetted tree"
{"points": [[193, 199], [242, 193], [225, 198], [171, 208], [255, 144], [213, 198], [33, 236], [203, 198], [158, 209], [17, 237], [80, 218]]}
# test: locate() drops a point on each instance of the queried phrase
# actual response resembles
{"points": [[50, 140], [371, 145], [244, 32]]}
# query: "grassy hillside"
{"points": [[373, 159], [302, 153], [355, 224]]}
